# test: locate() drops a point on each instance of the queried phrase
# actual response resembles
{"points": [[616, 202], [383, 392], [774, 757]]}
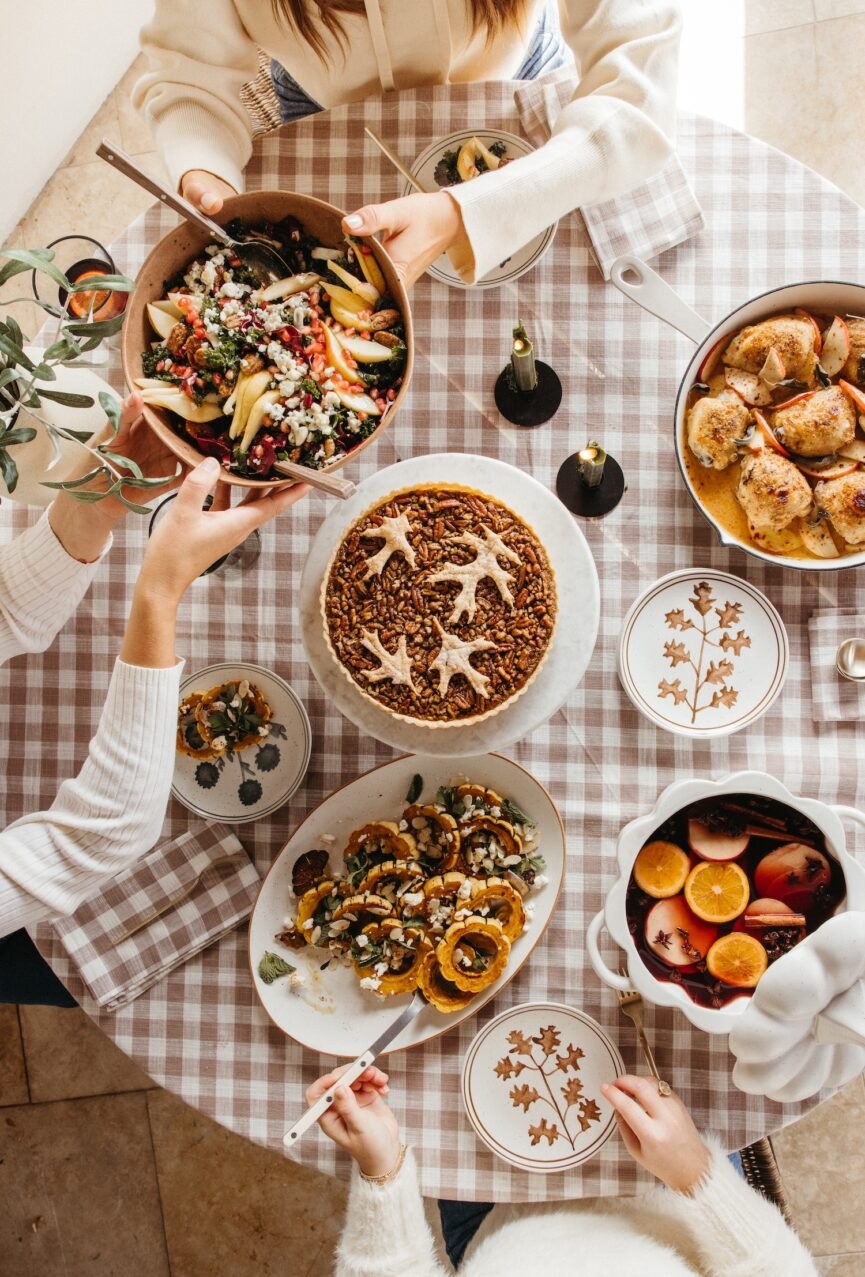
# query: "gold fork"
{"points": [[631, 1005]]}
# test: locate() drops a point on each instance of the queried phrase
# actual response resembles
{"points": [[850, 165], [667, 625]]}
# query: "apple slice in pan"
{"points": [[784, 541], [711, 361], [836, 347], [854, 451], [854, 393], [817, 539], [748, 387], [767, 434], [835, 469], [714, 844], [806, 394], [773, 370], [818, 336]]}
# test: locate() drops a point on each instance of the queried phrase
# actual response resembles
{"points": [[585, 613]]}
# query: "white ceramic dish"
{"points": [[678, 795], [576, 625], [519, 262], [531, 1086], [644, 286], [700, 661], [259, 780], [333, 1014]]}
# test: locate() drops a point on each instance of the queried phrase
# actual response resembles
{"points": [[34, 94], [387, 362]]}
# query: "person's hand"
{"points": [[414, 230], [83, 529], [188, 539], [658, 1132], [360, 1121], [205, 191]]}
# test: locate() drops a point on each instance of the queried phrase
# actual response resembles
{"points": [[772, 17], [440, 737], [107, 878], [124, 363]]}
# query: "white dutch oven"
{"points": [[645, 287], [680, 794]]}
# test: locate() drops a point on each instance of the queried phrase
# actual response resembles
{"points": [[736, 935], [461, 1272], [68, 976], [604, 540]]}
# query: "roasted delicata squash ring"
{"points": [[437, 990], [488, 797], [443, 847], [396, 871], [308, 903], [505, 906], [481, 937], [500, 829], [259, 707], [361, 906], [446, 885], [395, 845], [186, 719], [405, 979]]}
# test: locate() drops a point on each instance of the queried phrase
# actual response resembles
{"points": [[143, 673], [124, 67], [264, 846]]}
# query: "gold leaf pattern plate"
{"points": [[702, 653], [531, 1086]]}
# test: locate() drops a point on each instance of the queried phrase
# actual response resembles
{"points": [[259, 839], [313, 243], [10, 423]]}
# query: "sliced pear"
{"points": [[161, 321], [368, 264], [466, 166], [252, 389], [183, 406], [288, 287], [347, 300], [359, 403], [231, 401], [491, 161], [170, 307], [335, 354], [361, 288], [255, 420], [153, 383], [817, 539], [366, 352], [348, 318]]}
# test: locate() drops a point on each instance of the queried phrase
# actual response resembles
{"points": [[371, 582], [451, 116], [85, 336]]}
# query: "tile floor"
{"points": [[102, 1173]]}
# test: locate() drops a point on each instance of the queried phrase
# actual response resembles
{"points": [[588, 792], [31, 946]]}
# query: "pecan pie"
{"points": [[440, 604]]}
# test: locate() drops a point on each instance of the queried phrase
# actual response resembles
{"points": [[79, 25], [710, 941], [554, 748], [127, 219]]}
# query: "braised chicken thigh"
{"points": [[844, 501], [816, 424], [772, 491], [714, 425], [791, 336]]}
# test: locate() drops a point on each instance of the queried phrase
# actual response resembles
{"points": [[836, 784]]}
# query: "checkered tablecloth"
{"points": [[201, 1033]]}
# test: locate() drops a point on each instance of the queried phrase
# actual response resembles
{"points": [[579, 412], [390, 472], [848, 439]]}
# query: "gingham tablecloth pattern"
{"points": [[201, 1033]]}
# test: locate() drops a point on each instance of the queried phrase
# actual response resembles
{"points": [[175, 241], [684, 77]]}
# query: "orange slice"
{"points": [[80, 303], [717, 891], [737, 959], [661, 869]]}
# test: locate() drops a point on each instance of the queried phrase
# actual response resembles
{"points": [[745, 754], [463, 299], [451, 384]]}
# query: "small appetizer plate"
{"points": [[702, 653], [532, 1086], [519, 262], [243, 786], [330, 1012]]}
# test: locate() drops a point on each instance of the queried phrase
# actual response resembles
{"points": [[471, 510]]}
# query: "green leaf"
{"points": [[67, 398], [61, 349], [158, 482], [272, 966], [40, 259], [83, 436], [23, 434], [66, 484], [14, 330], [515, 814], [136, 509], [125, 463], [102, 328], [9, 374], [111, 406], [9, 470], [14, 352], [44, 372], [415, 789], [103, 283]]}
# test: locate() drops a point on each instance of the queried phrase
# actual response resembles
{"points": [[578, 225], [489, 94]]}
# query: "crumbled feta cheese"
{"points": [[370, 982], [413, 898], [465, 889], [541, 880], [218, 743], [308, 925], [296, 981], [361, 941]]}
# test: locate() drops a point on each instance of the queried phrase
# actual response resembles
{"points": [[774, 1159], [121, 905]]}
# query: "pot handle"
{"points": [[602, 971], [644, 286]]}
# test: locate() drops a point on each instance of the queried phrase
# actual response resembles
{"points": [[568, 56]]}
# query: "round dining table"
{"points": [[201, 1032]]}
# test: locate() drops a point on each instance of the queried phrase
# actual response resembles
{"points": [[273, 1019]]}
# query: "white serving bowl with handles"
{"points": [[681, 794], [641, 284]]}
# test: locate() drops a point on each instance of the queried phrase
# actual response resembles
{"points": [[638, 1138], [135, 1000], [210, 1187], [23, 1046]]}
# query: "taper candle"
{"points": [[523, 360], [591, 463]]}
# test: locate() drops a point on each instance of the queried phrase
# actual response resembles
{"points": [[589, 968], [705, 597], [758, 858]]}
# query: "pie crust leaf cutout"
{"points": [[393, 530], [395, 666], [468, 576], [454, 657]]}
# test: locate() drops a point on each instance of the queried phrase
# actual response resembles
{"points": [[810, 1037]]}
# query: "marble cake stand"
{"points": [[576, 627]]}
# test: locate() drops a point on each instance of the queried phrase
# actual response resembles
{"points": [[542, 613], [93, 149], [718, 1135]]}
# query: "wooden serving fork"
{"points": [[631, 1005]]}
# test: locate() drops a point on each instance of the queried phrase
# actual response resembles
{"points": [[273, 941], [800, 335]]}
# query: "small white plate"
{"points": [[703, 653], [532, 1086], [333, 1014], [246, 786], [519, 262]]}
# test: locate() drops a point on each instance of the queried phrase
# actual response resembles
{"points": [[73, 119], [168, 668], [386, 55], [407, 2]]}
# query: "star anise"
{"points": [[814, 866], [663, 938]]}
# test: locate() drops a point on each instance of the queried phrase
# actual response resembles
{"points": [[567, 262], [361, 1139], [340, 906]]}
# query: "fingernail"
{"points": [[208, 202], [355, 221], [210, 467]]}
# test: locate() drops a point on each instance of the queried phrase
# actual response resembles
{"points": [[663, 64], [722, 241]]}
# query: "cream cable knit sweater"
{"points": [[613, 134], [725, 1230], [113, 811]]}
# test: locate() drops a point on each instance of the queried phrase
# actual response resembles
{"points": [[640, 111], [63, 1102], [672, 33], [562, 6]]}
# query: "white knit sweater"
{"points": [[724, 1230], [613, 134], [112, 812]]}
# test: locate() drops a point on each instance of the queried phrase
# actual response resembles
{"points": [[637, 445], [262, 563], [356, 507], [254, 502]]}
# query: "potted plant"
{"points": [[29, 381]]}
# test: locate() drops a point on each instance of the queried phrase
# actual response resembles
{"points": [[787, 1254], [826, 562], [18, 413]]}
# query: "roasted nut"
{"points": [[384, 319]]}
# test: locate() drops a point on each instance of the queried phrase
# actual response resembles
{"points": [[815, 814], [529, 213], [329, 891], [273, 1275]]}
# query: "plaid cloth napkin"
{"points": [[200, 886], [833, 698], [646, 221]]}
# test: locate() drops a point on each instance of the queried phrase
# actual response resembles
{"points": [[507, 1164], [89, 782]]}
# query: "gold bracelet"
{"points": [[391, 1175]]}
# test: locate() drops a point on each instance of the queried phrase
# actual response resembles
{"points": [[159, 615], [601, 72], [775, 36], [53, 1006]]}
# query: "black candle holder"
{"points": [[529, 407], [582, 499]]}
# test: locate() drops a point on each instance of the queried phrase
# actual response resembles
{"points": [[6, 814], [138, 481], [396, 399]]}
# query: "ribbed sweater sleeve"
{"points": [[386, 1233], [40, 588], [737, 1231], [105, 818], [613, 134]]}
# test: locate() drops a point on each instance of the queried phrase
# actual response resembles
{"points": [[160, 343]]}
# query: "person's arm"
{"points": [[616, 132], [200, 56], [737, 1232], [112, 812]]}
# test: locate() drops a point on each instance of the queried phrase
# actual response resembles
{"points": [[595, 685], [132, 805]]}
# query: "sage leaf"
{"points": [[67, 398], [271, 966]]}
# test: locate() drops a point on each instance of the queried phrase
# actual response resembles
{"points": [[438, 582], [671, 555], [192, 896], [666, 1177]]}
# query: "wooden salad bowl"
{"points": [[184, 243]]}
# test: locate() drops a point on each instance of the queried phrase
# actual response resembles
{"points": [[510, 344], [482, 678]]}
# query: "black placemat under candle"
{"points": [[529, 407], [590, 503]]}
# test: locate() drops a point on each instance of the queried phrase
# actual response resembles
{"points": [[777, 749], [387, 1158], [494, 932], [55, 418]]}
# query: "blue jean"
{"points": [[546, 52], [25, 976]]}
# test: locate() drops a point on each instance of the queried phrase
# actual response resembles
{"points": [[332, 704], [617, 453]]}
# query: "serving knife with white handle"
{"points": [[354, 1070]]}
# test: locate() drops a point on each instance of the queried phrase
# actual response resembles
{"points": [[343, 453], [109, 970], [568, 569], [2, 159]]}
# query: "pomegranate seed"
{"points": [[307, 401]]}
